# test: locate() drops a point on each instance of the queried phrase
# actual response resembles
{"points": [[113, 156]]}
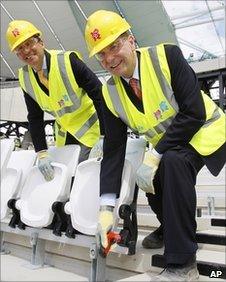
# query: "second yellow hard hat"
{"points": [[102, 28]]}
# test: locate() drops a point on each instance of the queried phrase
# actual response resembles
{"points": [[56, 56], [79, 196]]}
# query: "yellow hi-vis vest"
{"points": [[160, 106], [70, 105]]}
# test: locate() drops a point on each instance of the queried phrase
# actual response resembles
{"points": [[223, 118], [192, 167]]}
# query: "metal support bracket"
{"points": [[98, 265], [211, 205], [38, 252], [3, 250], [129, 233]]}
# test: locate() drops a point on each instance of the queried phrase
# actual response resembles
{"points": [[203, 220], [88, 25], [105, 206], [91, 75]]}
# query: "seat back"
{"points": [[12, 181], [84, 202], [135, 150], [205, 178], [22, 160], [84, 198], [69, 156], [7, 146], [38, 195]]}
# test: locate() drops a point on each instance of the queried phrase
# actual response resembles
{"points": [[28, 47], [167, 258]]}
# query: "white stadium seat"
{"points": [[7, 146], [13, 179], [38, 195], [84, 200]]}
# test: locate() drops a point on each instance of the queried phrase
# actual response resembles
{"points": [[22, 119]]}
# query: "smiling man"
{"points": [[61, 84], [154, 92]]}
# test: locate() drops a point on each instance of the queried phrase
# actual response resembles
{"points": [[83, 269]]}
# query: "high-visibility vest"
{"points": [[70, 105], [160, 106]]}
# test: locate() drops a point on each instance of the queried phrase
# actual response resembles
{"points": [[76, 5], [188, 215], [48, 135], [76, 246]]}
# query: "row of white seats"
{"points": [[22, 180]]}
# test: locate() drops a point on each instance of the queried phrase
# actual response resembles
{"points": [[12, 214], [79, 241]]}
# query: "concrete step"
{"points": [[202, 198], [216, 262], [76, 258], [59, 250], [149, 219], [212, 239], [216, 237], [144, 277], [218, 222], [16, 269]]}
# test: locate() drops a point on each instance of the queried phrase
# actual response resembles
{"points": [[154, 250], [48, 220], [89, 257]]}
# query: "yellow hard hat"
{"points": [[18, 31], [103, 28]]}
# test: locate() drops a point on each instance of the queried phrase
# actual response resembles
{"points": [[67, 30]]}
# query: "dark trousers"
{"points": [[174, 202]]}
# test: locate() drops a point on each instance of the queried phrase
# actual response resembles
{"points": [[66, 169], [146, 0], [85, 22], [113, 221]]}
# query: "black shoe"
{"points": [[153, 240]]}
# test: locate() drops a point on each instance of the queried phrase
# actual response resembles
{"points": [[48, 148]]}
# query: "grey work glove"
{"points": [[97, 150], [146, 172], [44, 165]]}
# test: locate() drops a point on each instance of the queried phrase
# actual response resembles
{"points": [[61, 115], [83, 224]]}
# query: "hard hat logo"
{"points": [[16, 32], [95, 34]]}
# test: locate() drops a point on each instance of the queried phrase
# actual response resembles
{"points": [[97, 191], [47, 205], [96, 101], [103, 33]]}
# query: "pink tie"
{"points": [[134, 83]]}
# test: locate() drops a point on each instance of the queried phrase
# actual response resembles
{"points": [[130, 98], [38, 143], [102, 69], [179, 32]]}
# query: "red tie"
{"points": [[134, 83]]}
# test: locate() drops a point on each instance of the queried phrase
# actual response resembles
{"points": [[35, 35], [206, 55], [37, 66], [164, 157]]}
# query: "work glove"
{"points": [[44, 165], [146, 172], [105, 224], [97, 150]]}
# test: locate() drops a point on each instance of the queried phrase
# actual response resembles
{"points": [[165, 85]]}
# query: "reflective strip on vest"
{"points": [[116, 101], [215, 116], [29, 88], [75, 100], [166, 88], [167, 91], [27, 82], [120, 110], [159, 128], [86, 126], [59, 132]]}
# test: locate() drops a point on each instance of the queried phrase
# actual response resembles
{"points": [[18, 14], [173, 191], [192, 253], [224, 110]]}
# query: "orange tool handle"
{"points": [[112, 237]]}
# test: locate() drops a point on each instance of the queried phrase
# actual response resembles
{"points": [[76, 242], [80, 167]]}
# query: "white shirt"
{"points": [[44, 67], [135, 73]]}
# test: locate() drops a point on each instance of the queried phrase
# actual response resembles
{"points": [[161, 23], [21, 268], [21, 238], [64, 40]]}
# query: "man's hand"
{"points": [[44, 165], [146, 172], [105, 224]]}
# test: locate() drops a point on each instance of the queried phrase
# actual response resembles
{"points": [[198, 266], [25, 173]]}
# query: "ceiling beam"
{"points": [[195, 47], [119, 9], [199, 23], [8, 66], [48, 24], [217, 33], [7, 12], [80, 10], [191, 16]]}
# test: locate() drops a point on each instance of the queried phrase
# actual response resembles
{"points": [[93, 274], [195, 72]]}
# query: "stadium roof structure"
{"points": [[197, 26]]}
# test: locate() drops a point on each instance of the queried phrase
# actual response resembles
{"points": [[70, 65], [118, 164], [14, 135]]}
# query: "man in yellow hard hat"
{"points": [[61, 84], [154, 92]]}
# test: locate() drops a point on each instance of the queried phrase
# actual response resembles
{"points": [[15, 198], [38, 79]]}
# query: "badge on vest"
{"points": [[162, 108], [61, 102]]}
